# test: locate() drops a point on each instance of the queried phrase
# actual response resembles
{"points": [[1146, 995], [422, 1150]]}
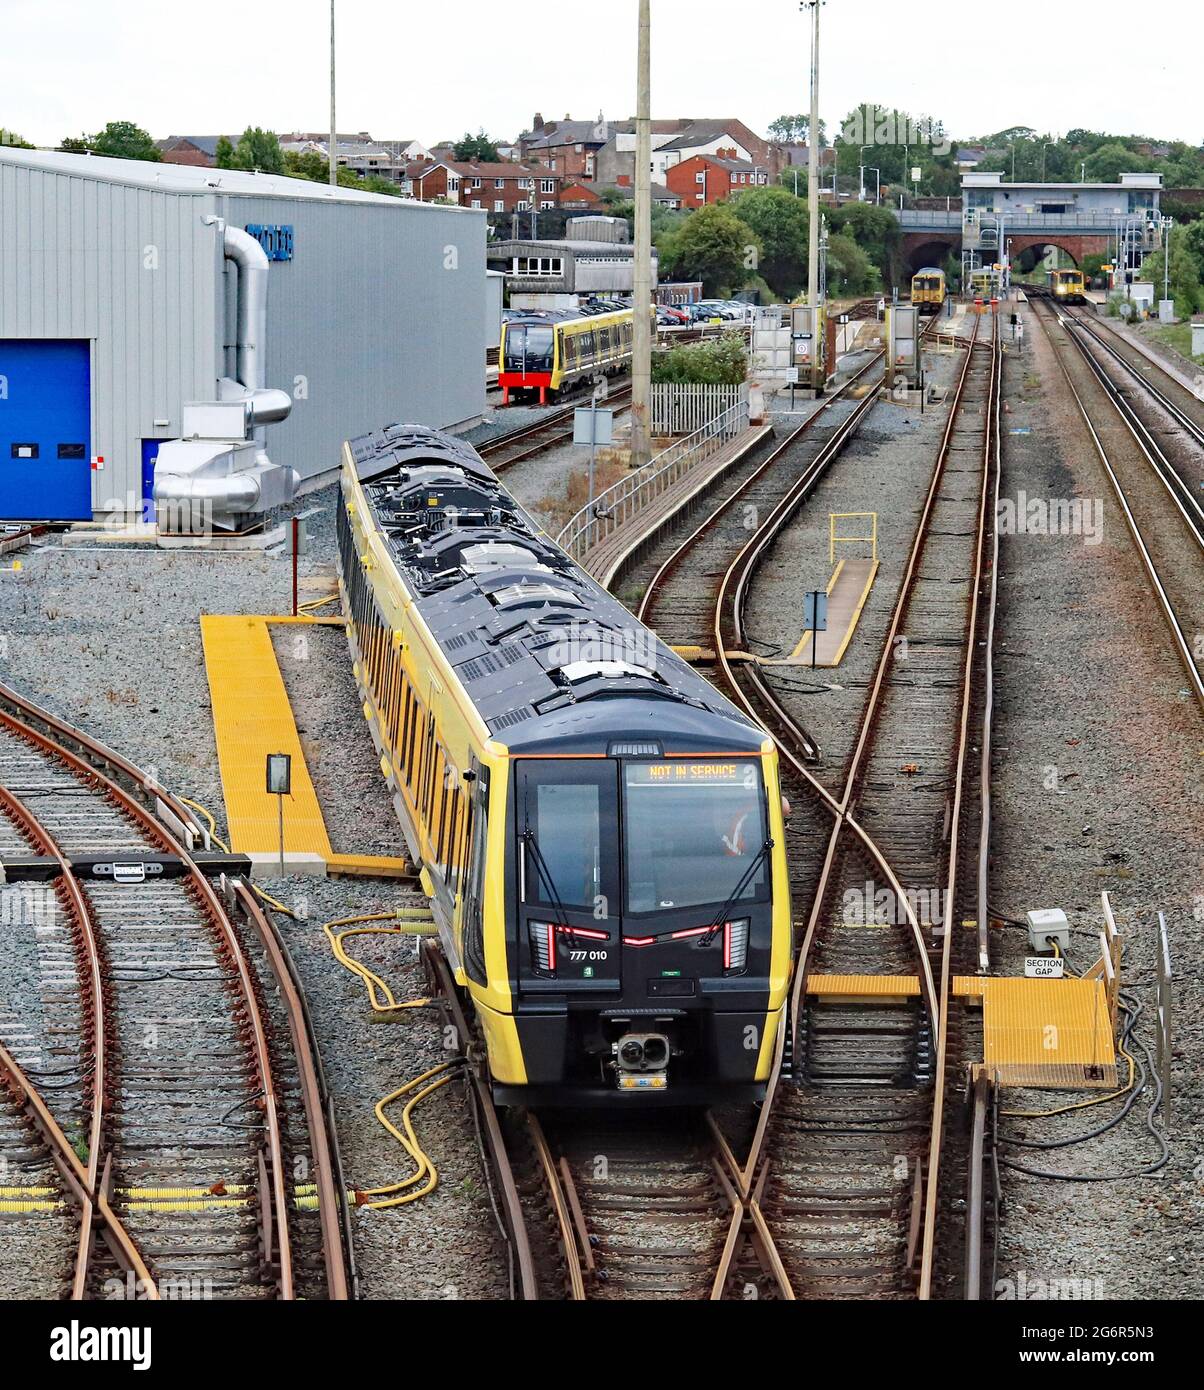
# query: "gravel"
{"points": [[109, 639], [1087, 686], [1097, 786], [884, 468]]}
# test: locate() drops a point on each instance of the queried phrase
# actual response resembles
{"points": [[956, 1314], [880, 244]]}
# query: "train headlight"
{"points": [[543, 946], [735, 946]]}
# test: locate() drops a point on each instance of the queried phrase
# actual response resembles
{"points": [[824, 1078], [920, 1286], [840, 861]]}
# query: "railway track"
{"points": [[178, 1104], [842, 1179], [678, 597], [1154, 472], [640, 1210], [553, 429], [589, 1207]]}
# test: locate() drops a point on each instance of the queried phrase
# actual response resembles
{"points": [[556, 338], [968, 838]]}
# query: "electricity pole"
{"points": [[333, 152], [813, 286], [641, 277]]}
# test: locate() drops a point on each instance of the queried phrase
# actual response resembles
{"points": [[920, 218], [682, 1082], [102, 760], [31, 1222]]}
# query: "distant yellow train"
{"points": [[1070, 286], [928, 289], [546, 352]]}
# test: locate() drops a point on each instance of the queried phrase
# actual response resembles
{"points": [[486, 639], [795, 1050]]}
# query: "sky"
{"points": [[429, 72]]}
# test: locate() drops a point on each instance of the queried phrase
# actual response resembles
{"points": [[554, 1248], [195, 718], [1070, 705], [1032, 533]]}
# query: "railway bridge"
{"points": [[1081, 219]]}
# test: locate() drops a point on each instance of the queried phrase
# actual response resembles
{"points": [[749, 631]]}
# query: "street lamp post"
{"points": [[813, 283], [333, 152], [641, 279], [1167, 224], [861, 171]]}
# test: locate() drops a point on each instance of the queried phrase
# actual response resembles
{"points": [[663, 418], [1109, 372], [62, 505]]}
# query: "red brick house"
{"points": [[492, 187], [197, 150], [706, 178], [565, 147], [579, 194]]}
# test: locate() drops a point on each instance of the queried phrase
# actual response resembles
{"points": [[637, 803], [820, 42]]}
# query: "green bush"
{"points": [[720, 361]]}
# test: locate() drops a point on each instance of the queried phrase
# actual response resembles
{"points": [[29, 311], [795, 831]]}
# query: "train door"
{"points": [[567, 827]]}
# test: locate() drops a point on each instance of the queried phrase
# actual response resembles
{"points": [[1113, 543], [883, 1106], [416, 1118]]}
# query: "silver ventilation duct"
{"points": [[219, 471]]}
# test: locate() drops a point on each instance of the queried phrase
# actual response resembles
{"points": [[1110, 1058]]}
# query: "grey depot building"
{"points": [[205, 335]]}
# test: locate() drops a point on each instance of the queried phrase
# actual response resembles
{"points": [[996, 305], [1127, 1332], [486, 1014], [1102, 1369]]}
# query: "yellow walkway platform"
{"points": [[1046, 1033], [252, 717], [848, 590]]}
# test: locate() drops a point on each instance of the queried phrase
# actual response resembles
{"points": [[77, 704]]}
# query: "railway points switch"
{"points": [[1048, 924]]}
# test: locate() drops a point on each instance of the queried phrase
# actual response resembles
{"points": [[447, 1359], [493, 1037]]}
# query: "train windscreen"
{"points": [[694, 833], [528, 347]]}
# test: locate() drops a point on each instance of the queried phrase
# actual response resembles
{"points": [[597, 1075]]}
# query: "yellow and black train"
{"points": [[547, 352], [600, 832], [1069, 286], [928, 289]]}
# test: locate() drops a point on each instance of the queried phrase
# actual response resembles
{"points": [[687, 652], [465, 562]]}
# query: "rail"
{"points": [[167, 829], [616, 505]]}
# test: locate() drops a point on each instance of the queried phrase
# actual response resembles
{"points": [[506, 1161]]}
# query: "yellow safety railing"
{"points": [[834, 540]]}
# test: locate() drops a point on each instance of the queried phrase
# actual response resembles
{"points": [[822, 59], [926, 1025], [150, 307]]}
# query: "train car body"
{"points": [[928, 289], [1069, 286], [600, 832], [549, 352]]}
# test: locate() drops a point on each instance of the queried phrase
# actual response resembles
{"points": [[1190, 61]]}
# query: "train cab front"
{"points": [[648, 928], [527, 358]]}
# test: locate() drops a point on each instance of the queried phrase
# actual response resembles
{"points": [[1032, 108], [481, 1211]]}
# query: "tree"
{"points": [[1193, 242], [1113, 159], [479, 148], [716, 247], [780, 222], [258, 149], [1184, 273], [310, 165], [11, 138], [223, 154], [307, 164], [849, 268], [896, 142], [874, 229], [124, 140], [792, 130]]}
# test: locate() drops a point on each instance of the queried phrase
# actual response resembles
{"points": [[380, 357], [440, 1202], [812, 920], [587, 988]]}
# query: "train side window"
{"points": [[426, 773], [455, 856], [474, 929], [463, 816]]}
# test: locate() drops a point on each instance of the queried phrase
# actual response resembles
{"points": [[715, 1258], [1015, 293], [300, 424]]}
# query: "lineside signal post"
{"points": [[280, 784], [815, 616]]}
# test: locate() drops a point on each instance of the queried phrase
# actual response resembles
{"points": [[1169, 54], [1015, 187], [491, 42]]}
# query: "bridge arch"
{"points": [[928, 248], [1028, 248]]}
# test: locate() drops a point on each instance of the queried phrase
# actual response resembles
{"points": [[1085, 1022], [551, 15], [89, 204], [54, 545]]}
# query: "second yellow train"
{"points": [[928, 289], [546, 352]]}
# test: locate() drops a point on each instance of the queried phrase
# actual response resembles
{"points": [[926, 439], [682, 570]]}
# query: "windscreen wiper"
{"points": [[542, 871], [734, 895]]}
